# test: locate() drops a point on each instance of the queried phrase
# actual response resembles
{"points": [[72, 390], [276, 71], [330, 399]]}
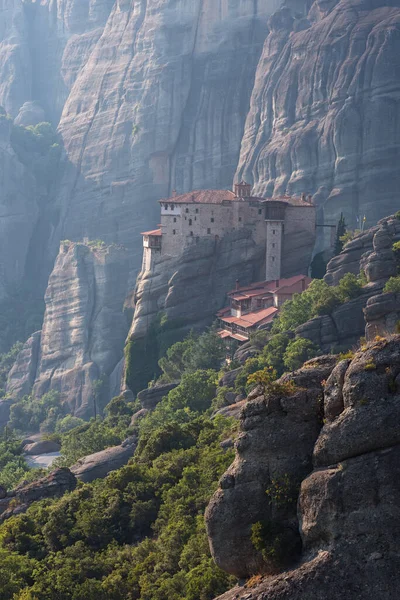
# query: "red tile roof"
{"points": [[252, 319], [155, 232], [261, 287], [206, 197]]}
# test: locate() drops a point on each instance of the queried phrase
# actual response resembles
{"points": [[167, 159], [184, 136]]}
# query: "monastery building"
{"points": [[187, 218]]}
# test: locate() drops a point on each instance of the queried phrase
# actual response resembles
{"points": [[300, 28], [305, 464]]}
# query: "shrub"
{"points": [[267, 379], [278, 544], [393, 285], [298, 352]]}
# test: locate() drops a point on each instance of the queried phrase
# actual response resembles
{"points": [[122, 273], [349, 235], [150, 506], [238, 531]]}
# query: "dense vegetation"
{"points": [[139, 534]]}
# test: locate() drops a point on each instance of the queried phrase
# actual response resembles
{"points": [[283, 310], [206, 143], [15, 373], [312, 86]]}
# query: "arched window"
{"points": [[190, 221]]}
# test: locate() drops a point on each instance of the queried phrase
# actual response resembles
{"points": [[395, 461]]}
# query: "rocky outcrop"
{"points": [[372, 313], [54, 485], [152, 396], [190, 289], [318, 119], [382, 315], [83, 332], [348, 507], [271, 427], [343, 328], [100, 464], [22, 376], [41, 447]]}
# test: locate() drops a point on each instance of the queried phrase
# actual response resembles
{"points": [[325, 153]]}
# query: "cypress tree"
{"points": [[340, 231]]}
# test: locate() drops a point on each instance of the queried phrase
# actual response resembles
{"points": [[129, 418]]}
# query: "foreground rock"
{"points": [[100, 464], [83, 331], [348, 507], [271, 427], [54, 485]]}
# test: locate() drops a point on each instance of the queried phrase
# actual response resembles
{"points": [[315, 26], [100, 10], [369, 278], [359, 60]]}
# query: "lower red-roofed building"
{"points": [[254, 307]]}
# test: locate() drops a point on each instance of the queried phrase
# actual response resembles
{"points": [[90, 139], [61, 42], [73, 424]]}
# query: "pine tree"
{"points": [[340, 231]]}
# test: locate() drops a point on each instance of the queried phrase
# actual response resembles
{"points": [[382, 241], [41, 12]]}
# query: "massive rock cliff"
{"points": [[347, 505], [83, 332], [324, 109]]}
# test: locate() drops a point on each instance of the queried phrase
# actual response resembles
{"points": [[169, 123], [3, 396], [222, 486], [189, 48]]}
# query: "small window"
{"points": [[195, 218], [185, 218], [260, 211], [187, 210], [174, 219], [166, 207], [191, 233], [273, 231], [171, 206], [212, 219], [174, 231], [240, 218], [208, 230], [190, 221], [273, 259], [197, 210], [273, 245]]}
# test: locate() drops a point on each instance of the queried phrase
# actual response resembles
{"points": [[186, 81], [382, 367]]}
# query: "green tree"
{"points": [[174, 364], [340, 232], [392, 285], [274, 351], [207, 352], [298, 352]]}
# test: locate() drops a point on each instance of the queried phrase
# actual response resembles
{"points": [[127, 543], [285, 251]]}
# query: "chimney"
{"points": [[237, 284], [303, 197], [309, 198], [277, 281], [303, 284]]}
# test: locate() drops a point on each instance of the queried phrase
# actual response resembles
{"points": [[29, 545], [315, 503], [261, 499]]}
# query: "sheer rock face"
{"points": [[324, 110], [191, 288], [22, 375], [160, 104], [84, 327], [18, 211], [348, 507]]}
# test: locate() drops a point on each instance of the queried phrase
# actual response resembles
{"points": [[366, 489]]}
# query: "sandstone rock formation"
{"points": [[192, 288], [18, 211], [54, 485], [348, 507], [319, 118], [42, 447], [372, 312], [150, 397], [100, 464], [83, 331], [271, 427]]}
